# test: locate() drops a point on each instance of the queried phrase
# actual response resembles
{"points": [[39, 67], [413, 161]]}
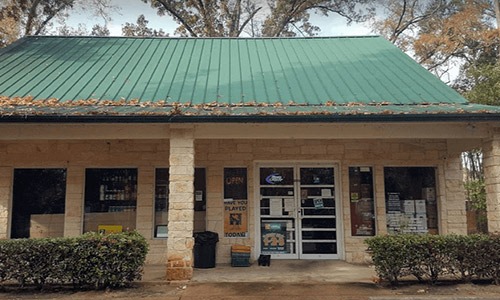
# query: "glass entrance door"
{"points": [[298, 212], [317, 213]]}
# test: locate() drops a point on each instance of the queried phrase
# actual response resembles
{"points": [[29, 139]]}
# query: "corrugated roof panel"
{"points": [[397, 77], [315, 82], [212, 73], [387, 78], [156, 84], [170, 78], [295, 74], [199, 77], [76, 84], [236, 90], [59, 69], [128, 75], [339, 64], [224, 82], [33, 68], [141, 75], [262, 74], [305, 71], [103, 74], [246, 73]]}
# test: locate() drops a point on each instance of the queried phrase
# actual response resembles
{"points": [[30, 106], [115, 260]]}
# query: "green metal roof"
{"points": [[69, 76]]}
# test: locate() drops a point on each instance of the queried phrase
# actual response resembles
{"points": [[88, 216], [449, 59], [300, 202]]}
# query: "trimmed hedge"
{"points": [[92, 260], [431, 257]]}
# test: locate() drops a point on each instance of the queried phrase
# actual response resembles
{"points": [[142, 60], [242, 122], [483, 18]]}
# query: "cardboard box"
{"points": [[429, 194], [240, 249], [420, 207], [409, 206]]}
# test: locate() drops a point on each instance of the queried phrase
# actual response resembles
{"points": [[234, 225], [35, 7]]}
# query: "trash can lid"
{"points": [[206, 237]]}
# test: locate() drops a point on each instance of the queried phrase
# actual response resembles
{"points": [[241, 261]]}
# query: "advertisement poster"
{"points": [[235, 218], [273, 237]]}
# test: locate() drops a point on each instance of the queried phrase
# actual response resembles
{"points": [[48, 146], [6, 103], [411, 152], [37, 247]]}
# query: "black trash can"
{"points": [[204, 249]]}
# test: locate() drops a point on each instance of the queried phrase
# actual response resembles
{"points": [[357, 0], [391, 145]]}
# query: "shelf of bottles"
{"points": [[118, 185]]}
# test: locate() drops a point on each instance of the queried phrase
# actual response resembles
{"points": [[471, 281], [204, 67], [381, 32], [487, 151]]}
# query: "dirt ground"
{"points": [[263, 290]]}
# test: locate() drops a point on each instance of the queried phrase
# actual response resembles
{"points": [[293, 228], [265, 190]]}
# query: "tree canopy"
{"points": [[140, 28], [232, 18], [438, 32], [33, 17]]}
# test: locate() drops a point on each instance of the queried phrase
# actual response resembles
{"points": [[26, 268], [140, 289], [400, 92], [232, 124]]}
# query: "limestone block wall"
{"points": [[214, 155], [217, 154], [76, 156]]}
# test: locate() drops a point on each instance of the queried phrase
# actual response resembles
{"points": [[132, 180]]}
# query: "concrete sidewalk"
{"points": [[308, 279], [283, 280], [280, 271]]}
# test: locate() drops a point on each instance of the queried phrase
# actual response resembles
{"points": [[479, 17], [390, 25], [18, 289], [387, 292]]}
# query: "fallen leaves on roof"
{"points": [[15, 106]]}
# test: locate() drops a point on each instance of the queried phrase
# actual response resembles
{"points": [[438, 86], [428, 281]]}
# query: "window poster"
{"points": [[393, 202], [361, 201], [273, 235], [235, 203], [235, 218]]}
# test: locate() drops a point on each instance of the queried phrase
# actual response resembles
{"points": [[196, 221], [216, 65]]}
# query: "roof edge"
{"points": [[208, 38], [404, 118]]}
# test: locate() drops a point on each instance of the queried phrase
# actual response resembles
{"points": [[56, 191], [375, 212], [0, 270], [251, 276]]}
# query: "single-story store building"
{"points": [[300, 148]]}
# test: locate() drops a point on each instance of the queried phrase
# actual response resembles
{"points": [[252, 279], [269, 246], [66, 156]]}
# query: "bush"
{"points": [[90, 261], [430, 257]]}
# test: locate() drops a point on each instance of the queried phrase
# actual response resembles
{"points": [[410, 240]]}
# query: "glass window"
{"points": [[235, 183], [38, 203], [361, 201], [161, 202], [276, 176], [110, 200], [411, 199], [161, 198]]}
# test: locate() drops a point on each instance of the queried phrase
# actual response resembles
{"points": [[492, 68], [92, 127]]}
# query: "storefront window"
{"points": [[411, 199], [38, 203], [161, 199], [361, 201], [110, 200]]}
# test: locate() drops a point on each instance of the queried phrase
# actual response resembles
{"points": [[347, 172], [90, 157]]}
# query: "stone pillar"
{"points": [[5, 195], [75, 184], [453, 205], [181, 204], [491, 156]]}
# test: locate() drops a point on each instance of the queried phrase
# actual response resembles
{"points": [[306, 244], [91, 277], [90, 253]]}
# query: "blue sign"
{"points": [[274, 178]]}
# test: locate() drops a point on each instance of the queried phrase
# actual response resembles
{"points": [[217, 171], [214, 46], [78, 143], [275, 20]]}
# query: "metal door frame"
{"points": [[296, 169]]}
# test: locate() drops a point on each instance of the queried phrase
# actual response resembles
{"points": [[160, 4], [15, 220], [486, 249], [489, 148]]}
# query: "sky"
{"points": [[129, 10]]}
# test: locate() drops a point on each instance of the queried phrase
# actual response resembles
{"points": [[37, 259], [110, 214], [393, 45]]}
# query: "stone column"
{"points": [[75, 184], [491, 156], [181, 204], [454, 208], [5, 195]]}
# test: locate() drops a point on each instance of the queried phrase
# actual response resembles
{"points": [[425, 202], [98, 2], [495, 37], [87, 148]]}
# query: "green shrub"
{"points": [[107, 260], [90, 261], [430, 257], [390, 256]]}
